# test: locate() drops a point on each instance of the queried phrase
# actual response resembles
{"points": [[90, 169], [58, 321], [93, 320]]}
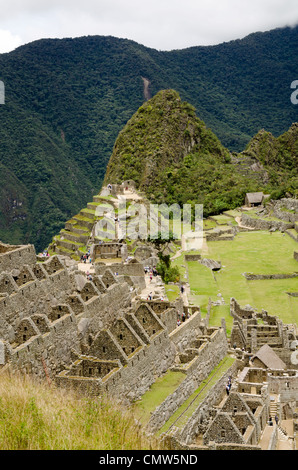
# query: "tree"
{"points": [[167, 272]]}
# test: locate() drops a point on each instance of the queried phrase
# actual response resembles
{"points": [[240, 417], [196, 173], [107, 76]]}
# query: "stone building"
{"points": [[251, 330], [94, 335], [254, 199]]}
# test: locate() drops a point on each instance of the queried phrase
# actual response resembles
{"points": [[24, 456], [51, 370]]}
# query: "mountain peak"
{"points": [[159, 135]]}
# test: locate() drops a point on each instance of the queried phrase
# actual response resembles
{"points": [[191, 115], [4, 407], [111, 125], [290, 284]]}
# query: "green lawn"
{"points": [[255, 252], [181, 264], [202, 283], [222, 219], [158, 392], [172, 292], [208, 224]]}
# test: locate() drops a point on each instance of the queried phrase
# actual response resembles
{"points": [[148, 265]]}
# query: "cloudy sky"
{"points": [[160, 24]]}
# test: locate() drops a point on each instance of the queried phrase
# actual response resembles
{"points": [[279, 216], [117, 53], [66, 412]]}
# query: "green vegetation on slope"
{"points": [[174, 158], [67, 100], [34, 416], [158, 392]]}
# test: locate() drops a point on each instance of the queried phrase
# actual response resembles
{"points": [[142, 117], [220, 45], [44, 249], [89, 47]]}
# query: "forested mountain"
{"points": [[67, 100], [174, 158]]}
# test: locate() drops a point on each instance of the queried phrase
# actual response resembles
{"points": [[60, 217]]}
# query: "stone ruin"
{"points": [[96, 335], [99, 337], [251, 330]]}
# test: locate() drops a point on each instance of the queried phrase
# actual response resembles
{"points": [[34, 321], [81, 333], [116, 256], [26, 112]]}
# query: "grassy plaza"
{"points": [[256, 252]]}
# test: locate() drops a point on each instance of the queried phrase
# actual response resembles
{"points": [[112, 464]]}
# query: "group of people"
{"points": [[86, 258], [151, 271], [150, 297], [270, 422], [182, 318], [45, 254]]}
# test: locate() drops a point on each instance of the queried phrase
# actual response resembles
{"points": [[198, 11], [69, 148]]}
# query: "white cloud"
{"points": [[161, 24], [8, 41]]}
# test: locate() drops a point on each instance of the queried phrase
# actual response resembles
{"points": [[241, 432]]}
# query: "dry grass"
{"points": [[34, 416]]}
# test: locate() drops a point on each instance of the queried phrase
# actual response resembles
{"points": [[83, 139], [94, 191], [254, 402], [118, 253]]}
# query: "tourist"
{"points": [[276, 419], [270, 422]]}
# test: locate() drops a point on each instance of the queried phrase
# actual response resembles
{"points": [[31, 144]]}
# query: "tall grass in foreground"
{"points": [[34, 416]]}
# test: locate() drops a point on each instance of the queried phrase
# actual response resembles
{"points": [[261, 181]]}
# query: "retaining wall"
{"points": [[209, 355], [265, 224]]}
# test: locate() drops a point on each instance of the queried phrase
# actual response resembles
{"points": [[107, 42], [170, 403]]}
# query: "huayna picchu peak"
{"points": [[173, 157]]}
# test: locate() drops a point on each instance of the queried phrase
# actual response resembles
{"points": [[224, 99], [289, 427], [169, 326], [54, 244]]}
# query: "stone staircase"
{"points": [[274, 408], [283, 440]]}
